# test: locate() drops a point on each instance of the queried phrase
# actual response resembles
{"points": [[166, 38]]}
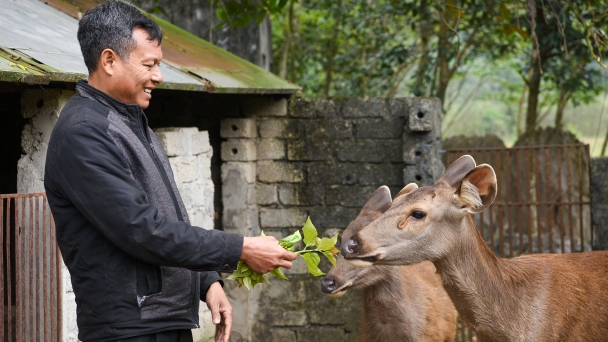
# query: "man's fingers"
{"points": [[286, 264], [291, 256], [215, 315], [227, 326]]}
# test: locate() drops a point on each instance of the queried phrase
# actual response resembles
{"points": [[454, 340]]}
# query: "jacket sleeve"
{"points": [[208, 278], [92, 172]]}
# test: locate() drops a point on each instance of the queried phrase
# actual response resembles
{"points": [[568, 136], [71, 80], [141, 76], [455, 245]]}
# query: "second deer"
{"points": [[400, 303], [540, 297]]}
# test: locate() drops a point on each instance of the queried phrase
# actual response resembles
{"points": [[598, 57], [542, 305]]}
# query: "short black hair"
{"points": [[110, 26]]}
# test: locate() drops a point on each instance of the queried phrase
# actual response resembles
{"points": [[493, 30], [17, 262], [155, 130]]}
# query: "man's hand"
{"points": [[263, 254], [221, 312]]}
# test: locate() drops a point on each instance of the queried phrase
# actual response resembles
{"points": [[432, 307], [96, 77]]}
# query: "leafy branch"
{"points": [[313, 249]]}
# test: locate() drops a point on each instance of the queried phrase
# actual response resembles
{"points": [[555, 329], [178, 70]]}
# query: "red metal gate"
{"points": [[542, 204], [30, 281]]}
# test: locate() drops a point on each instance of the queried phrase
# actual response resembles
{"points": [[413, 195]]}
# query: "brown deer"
{"points": [[400, 303], [541, 297]]}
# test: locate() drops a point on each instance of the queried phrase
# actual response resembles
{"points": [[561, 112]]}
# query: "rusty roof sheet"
{"points": [[38, 44]]}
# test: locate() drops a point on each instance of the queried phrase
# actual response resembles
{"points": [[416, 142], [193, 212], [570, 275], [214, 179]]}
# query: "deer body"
{"points": [[541, 297], [400, 303], [408, 305]]}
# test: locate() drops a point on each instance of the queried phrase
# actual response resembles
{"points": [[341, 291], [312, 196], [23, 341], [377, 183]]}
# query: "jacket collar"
{"points": [[87, 91]]}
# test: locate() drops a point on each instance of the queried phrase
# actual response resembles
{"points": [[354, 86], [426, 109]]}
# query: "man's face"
{"points": [[135, 78]]}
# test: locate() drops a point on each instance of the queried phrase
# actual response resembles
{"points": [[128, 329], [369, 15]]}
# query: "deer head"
{"points": [[345, 276], [425, 223]]}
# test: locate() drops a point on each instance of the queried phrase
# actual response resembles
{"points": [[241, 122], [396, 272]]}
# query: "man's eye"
{"points": [[419, 215]]}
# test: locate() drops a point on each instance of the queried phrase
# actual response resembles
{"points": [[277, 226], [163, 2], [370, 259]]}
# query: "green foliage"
{"points": [[314, 247], [241, 13], [385, 48]]}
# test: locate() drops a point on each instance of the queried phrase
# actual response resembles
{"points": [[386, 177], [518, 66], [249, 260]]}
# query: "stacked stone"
{"points": [[284, 161], [599, 202], [190, 155], [422, 142]]}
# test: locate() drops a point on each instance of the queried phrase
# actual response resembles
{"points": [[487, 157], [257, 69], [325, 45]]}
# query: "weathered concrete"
{"points": [[190, 155], [42, 108], [599, 202]]}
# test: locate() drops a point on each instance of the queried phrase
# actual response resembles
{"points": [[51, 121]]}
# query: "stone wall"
{"points": [[41, 107], [599, 202], [190, 155], [321, 158]]}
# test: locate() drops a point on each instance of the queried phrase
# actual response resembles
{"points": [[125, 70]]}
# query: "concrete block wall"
{"points": [[190, 155], [598, 189], [321, 158], [41, 107]]}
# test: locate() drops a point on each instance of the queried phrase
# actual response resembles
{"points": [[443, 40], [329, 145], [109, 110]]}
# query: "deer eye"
{"points": [[417, 214]]}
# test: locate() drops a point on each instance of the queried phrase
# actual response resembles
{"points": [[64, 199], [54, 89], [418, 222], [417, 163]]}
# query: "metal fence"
{"points": [[30, 281], [542, 204]]}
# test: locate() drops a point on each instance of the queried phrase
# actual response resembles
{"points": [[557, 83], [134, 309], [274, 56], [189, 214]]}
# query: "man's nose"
{"points": [[157, 76]]}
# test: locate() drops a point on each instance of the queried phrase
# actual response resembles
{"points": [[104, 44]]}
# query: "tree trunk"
{"points": [[533, 83], [520, 111], [333, 49], [564, 97], [287, 42], [442, 55], [604, 144], [426, 30]]}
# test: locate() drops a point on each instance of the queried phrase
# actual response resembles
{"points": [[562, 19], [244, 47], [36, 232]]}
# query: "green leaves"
{"points": [[289, 241], [310, 233], [314, 248], [312, 262], [241, 13]]}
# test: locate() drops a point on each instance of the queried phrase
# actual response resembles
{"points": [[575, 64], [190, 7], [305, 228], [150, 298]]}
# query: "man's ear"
{"points": [[107, 62], [478, 189], [457, 171], [407, 189]]}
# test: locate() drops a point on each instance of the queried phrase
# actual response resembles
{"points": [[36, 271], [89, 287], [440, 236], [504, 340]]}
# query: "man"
{"points": [[138, 268]]}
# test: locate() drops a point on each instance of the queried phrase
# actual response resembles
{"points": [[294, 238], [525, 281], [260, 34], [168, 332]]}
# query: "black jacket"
{"points": [[137, 265]]}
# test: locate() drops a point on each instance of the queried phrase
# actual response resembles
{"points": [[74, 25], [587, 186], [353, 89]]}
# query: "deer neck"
{"points": [[388, 314], [482, 287]]}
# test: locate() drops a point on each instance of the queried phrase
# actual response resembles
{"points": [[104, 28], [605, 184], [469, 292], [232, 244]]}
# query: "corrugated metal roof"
{"points": [[38, 44]]}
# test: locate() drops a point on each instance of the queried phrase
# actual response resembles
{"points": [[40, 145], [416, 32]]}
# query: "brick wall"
{"points": [[323, 158]]}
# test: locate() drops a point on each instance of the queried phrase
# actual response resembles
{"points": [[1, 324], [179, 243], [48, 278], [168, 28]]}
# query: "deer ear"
{"points": [[478, 188], [377, 204], [458, 170], [407, 189]]}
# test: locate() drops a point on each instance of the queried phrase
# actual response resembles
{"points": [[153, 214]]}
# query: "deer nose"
{"points": [[350, 246], [328, 284]]}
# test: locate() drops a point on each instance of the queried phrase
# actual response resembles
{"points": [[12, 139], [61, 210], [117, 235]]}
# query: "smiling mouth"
{"points": [[148, 91]]}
